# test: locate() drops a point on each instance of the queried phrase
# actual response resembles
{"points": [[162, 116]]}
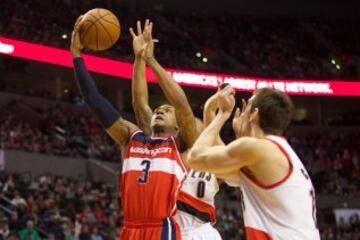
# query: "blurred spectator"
{"points": [[85, 233], [95, 234], [29, 232], [4, 228], [14, 222], [18, 201]]}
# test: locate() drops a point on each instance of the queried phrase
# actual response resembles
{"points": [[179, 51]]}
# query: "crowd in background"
{"points": [[331, 158], [59, 132], [278, 48], [57, 208]]}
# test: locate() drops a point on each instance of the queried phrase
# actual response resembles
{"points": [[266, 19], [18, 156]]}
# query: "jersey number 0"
{"points": [[200, 192]]}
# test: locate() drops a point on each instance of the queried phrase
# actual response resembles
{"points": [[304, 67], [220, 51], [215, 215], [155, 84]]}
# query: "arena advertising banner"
{"points": [[123, 70], [347, 215]]}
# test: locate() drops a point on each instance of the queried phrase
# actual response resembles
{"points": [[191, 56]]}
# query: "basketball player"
{"points": [[152, 170], [196, 209], [278, 195]]}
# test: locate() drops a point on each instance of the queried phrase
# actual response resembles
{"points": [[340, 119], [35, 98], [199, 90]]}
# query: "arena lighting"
{"points": [[123, 70]]}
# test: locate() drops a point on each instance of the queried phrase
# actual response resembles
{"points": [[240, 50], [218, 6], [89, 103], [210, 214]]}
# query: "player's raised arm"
{"points": [[220, 159], [139, 87], [210, 107], [209, 113], [176, 97], [118, 128]]}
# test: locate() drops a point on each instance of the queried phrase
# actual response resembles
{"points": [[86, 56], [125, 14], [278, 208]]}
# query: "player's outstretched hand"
{"points": [[226, 100], [241, 117], [76, 45], [143, 44]]}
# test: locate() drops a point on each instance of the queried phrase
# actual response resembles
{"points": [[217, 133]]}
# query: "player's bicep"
{"points": [[121, 130]]}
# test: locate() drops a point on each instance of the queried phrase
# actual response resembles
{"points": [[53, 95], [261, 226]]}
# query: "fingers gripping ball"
{"points": [[99, 29]]}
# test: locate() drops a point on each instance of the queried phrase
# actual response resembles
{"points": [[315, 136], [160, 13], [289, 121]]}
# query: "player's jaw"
{"points": [[163, 120]]}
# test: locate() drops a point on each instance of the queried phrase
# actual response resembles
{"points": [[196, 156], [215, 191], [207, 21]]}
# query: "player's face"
{"points": [[164, 117], [242, 124]]}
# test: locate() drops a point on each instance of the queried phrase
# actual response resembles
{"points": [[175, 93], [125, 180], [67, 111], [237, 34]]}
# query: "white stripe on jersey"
{"points": [[156, 165], [169, 228]]}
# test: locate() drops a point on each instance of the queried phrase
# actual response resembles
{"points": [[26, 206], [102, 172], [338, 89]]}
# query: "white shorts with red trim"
{"points": [[204, 232]]}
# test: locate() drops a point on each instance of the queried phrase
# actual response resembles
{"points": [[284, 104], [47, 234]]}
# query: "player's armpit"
{"points": [[121, 130], [224, 159]]}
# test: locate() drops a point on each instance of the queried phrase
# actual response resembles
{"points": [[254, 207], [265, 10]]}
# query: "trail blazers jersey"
{"points": [[196, 200], [285, 210]]}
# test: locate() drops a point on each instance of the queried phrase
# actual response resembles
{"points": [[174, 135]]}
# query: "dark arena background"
{"points": [[59, 169]]}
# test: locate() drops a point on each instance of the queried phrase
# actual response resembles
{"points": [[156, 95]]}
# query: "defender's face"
{"points": [[242, 123], [164, 117]]}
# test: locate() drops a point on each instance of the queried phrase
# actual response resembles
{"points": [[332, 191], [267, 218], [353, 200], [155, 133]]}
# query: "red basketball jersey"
{"points": [[152, 175]]}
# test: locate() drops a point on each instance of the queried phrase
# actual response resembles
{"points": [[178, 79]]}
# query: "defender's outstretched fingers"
{"points": [[243, 105], [138, 25], [132, 32], [237, 113]]}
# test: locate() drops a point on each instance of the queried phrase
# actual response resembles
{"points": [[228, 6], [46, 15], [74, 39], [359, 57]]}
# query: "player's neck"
{"points": [[257, 132], [162, 133]]}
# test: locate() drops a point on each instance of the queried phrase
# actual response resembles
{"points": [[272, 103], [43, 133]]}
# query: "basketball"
{"points": [[99, 29]]}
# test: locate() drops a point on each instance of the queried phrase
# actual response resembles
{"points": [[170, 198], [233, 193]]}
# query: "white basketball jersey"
{"points": [[195, 203], [282, 211]]}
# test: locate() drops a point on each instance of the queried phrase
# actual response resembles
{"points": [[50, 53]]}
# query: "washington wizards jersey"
{"points": [[152, 175]]}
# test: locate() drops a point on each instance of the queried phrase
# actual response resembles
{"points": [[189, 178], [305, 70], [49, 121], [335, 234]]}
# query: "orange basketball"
{"points": [[99, 29]]}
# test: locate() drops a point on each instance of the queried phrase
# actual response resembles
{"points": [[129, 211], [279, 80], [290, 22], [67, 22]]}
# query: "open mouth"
{"points": [[159, 118]]}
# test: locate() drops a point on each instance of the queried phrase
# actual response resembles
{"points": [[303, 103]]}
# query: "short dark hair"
{"points": [[275, 110]]}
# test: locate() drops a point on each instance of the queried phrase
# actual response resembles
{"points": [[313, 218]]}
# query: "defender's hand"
{"points": [[226, 101], [212, 102]]}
